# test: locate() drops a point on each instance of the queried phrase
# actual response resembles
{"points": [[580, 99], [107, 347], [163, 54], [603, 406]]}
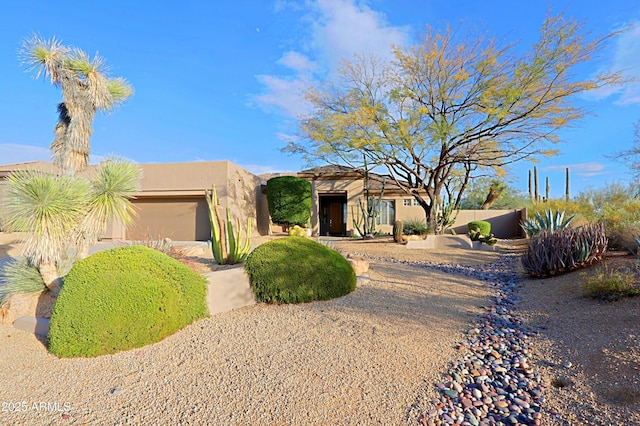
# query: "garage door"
{"points": [[181, 219]]}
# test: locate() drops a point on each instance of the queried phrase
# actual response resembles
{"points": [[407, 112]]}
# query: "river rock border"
{"points": [[494, 383]]}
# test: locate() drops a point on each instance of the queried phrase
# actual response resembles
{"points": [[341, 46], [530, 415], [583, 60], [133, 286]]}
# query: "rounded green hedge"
{"points": [[124, 298], [480, 225], [289, 200], [296, 270]]}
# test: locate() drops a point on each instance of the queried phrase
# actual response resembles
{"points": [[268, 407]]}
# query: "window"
{"points": [[406, 202], [416, 203], [386, 213]]}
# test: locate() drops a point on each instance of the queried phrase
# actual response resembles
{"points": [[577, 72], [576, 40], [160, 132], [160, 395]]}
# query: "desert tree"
{"points": [[450, 106], [86, 89]]}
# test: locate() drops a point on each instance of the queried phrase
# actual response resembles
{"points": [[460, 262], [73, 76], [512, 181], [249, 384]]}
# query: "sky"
{"points": [[223, 80]]}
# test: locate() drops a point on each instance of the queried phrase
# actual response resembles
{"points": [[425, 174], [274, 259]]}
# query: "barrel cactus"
{"points": [[398, 227]]}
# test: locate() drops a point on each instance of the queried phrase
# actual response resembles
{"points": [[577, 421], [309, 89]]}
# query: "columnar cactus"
{"points": [[398, 227]]}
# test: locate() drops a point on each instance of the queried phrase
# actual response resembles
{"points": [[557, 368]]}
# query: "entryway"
{"points": [[333, 215]]}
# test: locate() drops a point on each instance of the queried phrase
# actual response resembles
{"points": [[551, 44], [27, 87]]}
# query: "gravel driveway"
{"points": [[365, 358]]}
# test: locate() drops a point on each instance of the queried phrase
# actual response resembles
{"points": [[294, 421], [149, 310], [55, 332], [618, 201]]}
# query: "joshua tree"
{"points": [[86, 89]]}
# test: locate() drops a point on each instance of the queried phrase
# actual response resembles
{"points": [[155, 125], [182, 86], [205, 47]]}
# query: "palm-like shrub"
{"points": [[124, 298], [555, 252], [112, 188], [48, 208], [295, 270], [19, 277], [547, 221]]}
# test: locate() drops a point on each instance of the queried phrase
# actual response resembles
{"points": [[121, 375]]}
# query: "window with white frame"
{"points": [[416, 203], [386, 213], [406, 202]]}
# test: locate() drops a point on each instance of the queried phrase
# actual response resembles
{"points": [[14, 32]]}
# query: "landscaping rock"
{"points": [[39, 326], [30, 305], [359, 264]]}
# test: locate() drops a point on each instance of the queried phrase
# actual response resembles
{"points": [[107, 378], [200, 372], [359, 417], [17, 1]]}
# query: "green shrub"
{"points": [[124, 298], [555, 252], [621, 221], [289, 200], [416, 227], [482, 226], [296, 270], [297, 231], [609, 285]]}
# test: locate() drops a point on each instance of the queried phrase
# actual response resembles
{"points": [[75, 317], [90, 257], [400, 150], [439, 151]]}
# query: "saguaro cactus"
{"points": [[567, 195]]}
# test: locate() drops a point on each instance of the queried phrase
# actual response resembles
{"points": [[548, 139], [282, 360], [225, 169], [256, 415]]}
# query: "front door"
{"points": [[335, 218], [332, 214]]}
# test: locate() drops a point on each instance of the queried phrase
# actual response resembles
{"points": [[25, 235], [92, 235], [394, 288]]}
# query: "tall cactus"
{"points": [[567, 195], [530, 187], [226, 245], [547, 189], [535, 182], [398, 228]]}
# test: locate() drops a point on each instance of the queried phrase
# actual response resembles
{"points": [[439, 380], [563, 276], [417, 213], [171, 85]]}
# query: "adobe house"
{"points": [[337, 190], [171, 201]]}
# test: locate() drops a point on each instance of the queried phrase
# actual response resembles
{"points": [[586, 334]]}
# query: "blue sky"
{"points": [[220, 80]]}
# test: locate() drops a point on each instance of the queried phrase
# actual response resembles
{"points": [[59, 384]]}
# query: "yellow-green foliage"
{"points": [[622, 222], [297, 231], [610, 285], [583, 212], [124, 298], [295, 270]]}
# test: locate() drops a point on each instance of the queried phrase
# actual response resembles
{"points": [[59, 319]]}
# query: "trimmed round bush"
{"points": [[124, 298], [297, 270], [289, 200], [480, 225]]}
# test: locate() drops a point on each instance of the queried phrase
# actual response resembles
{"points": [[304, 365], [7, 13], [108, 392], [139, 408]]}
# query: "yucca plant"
{"points": [[226, 244], [112, 188], [548, 221], [555, 252], [48, 208], [86, 89], [19, 277]]}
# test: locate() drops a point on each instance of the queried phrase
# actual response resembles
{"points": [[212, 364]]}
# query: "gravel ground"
{"points": [[366, 358]]}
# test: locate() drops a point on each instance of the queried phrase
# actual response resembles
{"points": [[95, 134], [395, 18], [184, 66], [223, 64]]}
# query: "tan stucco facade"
{"points": [[171, 201]]}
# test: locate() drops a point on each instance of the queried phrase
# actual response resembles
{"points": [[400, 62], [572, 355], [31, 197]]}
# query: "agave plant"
{"points": [[548, 221], [555, 252]]}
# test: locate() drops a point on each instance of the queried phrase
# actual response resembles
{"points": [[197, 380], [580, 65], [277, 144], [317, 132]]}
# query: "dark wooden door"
{"points": [[336, 218]]}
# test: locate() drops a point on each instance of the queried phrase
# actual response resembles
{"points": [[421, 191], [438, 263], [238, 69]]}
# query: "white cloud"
{"points": [[297, 62], [258, 169], [625, 58], [11, 153], [588, 169], [336, 29], [286, 94], [343, 29]]}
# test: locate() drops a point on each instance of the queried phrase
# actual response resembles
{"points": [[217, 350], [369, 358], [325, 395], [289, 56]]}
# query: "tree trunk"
{"points": [[50, 276], [492, 196]]}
